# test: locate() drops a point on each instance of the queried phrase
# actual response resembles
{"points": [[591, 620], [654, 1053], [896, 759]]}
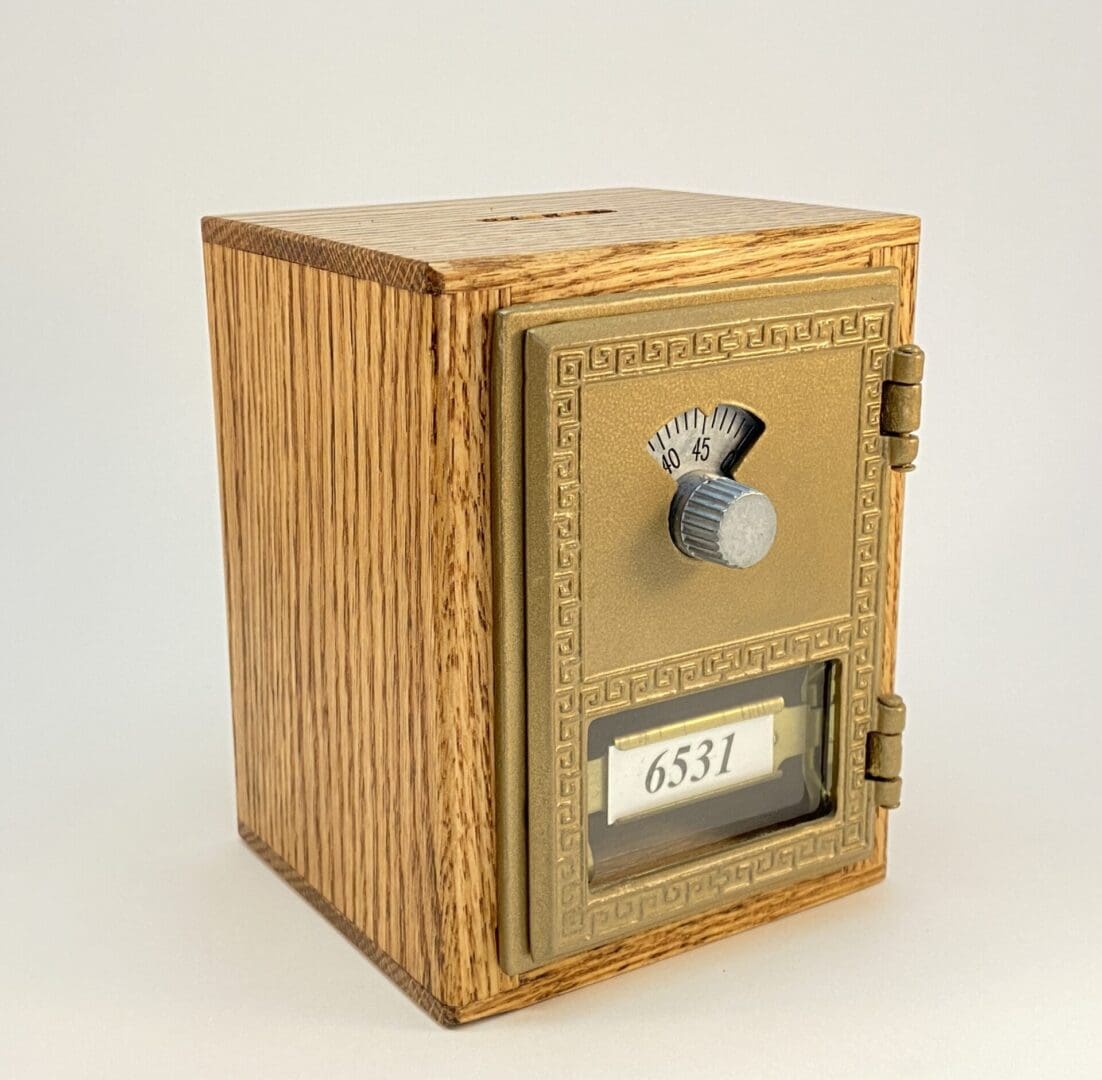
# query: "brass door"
{"points": [[675, 735]]}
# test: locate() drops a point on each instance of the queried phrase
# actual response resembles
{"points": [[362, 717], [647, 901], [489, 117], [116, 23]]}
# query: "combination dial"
{"points": [[713, 516]]}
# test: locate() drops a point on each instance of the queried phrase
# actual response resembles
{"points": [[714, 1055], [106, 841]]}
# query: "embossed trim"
{"points": [[582, 917]]}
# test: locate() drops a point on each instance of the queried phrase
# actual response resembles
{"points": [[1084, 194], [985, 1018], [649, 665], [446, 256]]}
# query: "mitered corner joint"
{"points": [[901, 405], [884, 750]]}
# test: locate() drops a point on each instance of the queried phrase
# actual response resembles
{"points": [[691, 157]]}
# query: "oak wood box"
{"points": [[353, 356]]}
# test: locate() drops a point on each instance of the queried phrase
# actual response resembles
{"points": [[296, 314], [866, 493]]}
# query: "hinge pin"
{"points": [[884, 750], [901, 405]]}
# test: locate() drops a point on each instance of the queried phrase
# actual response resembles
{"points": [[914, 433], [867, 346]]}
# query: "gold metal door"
{"points": [[609, 639]]}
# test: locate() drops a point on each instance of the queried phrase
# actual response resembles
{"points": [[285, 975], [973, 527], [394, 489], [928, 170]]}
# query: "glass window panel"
{"points": [[676, 780]]}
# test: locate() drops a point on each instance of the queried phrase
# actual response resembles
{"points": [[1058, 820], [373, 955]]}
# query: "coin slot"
{"points": [[550, 215]]}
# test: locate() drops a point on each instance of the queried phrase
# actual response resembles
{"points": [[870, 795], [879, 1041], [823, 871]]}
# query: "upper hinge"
{"points": [[884, 750], [901, 405]]}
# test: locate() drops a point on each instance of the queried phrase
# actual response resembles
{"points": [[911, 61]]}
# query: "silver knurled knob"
{"points": [[722, 521]]}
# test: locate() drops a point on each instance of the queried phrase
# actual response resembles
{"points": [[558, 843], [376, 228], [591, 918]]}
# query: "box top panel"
{"points": [[488, 243]]}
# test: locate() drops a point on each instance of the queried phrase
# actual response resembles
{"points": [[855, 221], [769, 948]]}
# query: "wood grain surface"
{"points": [[545, 242], [358, 580]]}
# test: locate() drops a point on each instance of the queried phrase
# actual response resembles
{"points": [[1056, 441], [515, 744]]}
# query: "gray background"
{"points": [[138, 937]]}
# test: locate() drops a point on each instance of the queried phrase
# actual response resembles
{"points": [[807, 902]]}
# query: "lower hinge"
{"points": [[901, 405], [884, 750]]}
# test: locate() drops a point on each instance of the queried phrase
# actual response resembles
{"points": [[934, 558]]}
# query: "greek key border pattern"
{"points": [[582, 918]]}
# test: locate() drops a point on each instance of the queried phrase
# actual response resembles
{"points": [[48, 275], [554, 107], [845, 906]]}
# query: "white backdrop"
{"points": [[138, 937]]}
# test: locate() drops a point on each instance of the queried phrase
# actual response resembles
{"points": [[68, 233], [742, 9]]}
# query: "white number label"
{"points": [[687, 767]]}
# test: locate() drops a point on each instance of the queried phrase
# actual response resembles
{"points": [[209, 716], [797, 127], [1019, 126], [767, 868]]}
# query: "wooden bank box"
{"points": [[562, 549]]}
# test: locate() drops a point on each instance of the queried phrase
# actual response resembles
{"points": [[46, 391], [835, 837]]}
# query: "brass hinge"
{"points": [[884, 750], [901, 405]]}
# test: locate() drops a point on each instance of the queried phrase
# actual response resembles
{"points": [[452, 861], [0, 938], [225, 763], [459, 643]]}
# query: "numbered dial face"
{"points": [[713, 517], [694, 441]]}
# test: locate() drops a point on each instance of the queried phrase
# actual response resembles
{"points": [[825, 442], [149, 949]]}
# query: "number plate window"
{"points": [[671, 781]]}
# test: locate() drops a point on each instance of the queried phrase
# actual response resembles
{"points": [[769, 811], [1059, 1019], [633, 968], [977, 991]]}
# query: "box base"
{"points": [[440, 1012], [600, 963]]}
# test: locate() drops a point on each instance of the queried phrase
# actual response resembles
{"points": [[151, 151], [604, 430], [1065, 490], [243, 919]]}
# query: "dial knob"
{"points": [[715, 518]]}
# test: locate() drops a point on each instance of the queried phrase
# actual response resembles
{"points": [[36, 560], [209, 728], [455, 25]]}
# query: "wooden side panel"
{"points": [[330, 589], [464, 595], [905, 259]]}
